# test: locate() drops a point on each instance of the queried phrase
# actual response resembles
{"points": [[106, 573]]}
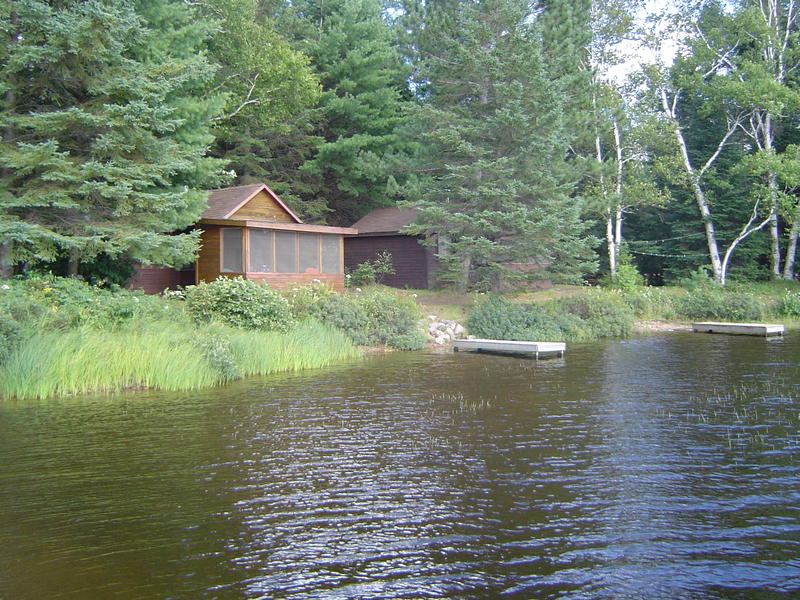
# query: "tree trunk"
{"points": [[6, 266], [791, 252], [73, 262], [612, 247]]}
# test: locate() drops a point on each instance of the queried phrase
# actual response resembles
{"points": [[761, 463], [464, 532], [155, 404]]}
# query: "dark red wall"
{"points": [[413, 262], [154, 280]]}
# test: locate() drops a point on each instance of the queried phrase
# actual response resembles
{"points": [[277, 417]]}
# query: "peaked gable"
{"points": [[256, 202]]}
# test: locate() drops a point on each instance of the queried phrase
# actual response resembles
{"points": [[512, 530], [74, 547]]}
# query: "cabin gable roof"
{"points": [[225, 203], [385, 220]]}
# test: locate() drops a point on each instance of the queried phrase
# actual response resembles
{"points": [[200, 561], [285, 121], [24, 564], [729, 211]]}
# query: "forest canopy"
{"points": [[519, 130]]}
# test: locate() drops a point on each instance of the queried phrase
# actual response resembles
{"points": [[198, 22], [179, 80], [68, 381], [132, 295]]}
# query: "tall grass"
{"points": [[307, 346], [158, 355]]}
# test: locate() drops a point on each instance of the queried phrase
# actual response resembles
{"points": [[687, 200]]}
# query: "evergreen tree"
{"points": [[356, 141], [496, 183], [105, 141]]}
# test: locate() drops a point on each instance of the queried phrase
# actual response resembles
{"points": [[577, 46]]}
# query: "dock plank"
{"points": [[758, 329], [535, 349]]}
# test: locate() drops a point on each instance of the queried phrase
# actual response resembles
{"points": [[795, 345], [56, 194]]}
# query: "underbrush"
{"points": [[591, 315]]}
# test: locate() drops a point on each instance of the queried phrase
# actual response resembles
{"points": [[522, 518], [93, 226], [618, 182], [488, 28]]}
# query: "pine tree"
{"points": [[362, 108], [104, 146], [495, 182]]}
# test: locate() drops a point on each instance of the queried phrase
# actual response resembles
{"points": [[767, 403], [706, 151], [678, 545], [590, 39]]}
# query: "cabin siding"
{"points": [[262, 208], [154, 280], [209, 259], [414, 264]]}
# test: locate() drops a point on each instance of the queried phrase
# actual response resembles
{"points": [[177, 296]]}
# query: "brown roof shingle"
{"points": [[386, 220]]}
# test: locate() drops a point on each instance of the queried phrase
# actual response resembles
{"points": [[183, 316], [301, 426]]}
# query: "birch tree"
{"points": [[710, 79]]}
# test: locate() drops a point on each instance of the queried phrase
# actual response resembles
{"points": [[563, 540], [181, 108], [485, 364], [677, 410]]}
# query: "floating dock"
{"points": [[533, 349], [760, 329]]}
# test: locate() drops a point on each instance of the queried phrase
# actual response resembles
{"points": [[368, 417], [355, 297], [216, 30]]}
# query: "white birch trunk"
{"points": [[791, 252]]}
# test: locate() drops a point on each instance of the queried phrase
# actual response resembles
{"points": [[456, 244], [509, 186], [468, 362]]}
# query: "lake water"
{"points": [[662, 467]]}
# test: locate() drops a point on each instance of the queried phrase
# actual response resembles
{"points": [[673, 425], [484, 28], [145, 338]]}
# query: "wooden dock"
{"points": [[759, 329], [533, 349]]}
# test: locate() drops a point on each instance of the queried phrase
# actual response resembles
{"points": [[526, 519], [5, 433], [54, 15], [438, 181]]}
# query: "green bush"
{"points": [[500, 319], [789, 305], [394, 320], [304, 299], [371, 272], [216, 349], [48, 302], [605, 314], [588, 316], [713, 303], [651, 302], [240, 303], [344, 313]]}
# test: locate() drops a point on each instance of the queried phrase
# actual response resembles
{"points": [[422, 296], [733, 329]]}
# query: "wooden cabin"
{"points": [[248, 231], [380, 231]]}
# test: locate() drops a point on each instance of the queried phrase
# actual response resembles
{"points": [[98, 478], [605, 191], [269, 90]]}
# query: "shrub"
{"points": [[304, 299], [48, 302], [371, 272], [216, 350], [652, 302], [394, 320], [499, 319], [628, 279], [605, 314], [239, 303], [789, 305], [714, 303], [344, 313]]}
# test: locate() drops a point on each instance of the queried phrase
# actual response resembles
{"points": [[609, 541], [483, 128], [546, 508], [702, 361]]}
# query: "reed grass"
{"points": [[308, 346], [159, 355]]}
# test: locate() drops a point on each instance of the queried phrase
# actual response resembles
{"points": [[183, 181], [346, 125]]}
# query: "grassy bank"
{"points": [[573, 313], [164, 355]]}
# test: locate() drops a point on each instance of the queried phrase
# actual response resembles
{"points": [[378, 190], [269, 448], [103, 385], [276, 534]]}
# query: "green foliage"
{"points": [[371, 272], [10, 335], [710, 303], [494, 139], [374, 317], [106, 130], [500, 319], [304, 299], [346, 314], [590, 315], [789, 305], [628, 279], [162, 355], [240, 303], [216, 349], [651, 302], [606, 314], [394, 320], [48, 302], [309, 345]]}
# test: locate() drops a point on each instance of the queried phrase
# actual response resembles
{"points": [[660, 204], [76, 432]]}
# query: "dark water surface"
{"points": [[663, 467]]}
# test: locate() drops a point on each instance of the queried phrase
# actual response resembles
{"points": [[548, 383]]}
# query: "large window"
{"points": [[309, 253], [261, 251], [285, 252], [232, 250], [331, 254], [292, 252]]}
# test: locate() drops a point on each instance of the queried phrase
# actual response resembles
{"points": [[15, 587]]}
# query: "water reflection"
{"points": [[660, 467]]}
